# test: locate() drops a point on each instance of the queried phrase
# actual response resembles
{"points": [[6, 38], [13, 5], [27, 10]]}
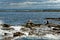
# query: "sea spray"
{"points": [[1, 21]]}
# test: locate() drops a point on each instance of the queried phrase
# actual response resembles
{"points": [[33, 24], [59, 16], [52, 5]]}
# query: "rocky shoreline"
{"points": [[57, 19], [30, 30]]}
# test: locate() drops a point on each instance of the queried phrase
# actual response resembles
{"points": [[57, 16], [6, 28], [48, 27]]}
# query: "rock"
{"points": [[29, 23], [47, 22], [5, 25], [38, 25], [31, 33], [58, 19], [18, 34], [25, 29], [5, 34], [56, 28], [7, 28], [7, 38]]}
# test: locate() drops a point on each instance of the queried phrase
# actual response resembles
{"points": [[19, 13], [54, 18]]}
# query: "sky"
{"points": [[29, 4]]}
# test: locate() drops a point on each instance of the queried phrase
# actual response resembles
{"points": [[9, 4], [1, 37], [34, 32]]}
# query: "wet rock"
{"points": [[7, 28], [31, 33], [5, 25], [58, 19], [58, 32], [7, 38], [5, 34], [53, 25], [47, 22], [29, 24], [18, 34], [56, 28], [25, 29], [38, 25]]}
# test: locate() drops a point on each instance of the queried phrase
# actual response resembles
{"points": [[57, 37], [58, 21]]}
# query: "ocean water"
{"points": [[36, 39], [19, 18]]}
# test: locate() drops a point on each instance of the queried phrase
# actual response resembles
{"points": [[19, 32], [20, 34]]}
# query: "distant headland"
{"points": [[31, 10]]}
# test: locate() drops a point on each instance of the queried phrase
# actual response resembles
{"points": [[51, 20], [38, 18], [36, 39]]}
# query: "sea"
{"points": [[21, 18]]}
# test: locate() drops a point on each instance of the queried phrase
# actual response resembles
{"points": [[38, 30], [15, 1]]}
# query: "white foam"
{"points": [[51, 36], [17, 27], [54, 1], [1, 22]]}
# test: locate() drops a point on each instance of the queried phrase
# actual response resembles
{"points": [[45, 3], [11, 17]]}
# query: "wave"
{"points": [[33, 4], [46, 37]]}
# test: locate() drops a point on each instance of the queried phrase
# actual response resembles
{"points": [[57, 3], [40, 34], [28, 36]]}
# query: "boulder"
{"points": [[5, 25], [17, 34]]}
